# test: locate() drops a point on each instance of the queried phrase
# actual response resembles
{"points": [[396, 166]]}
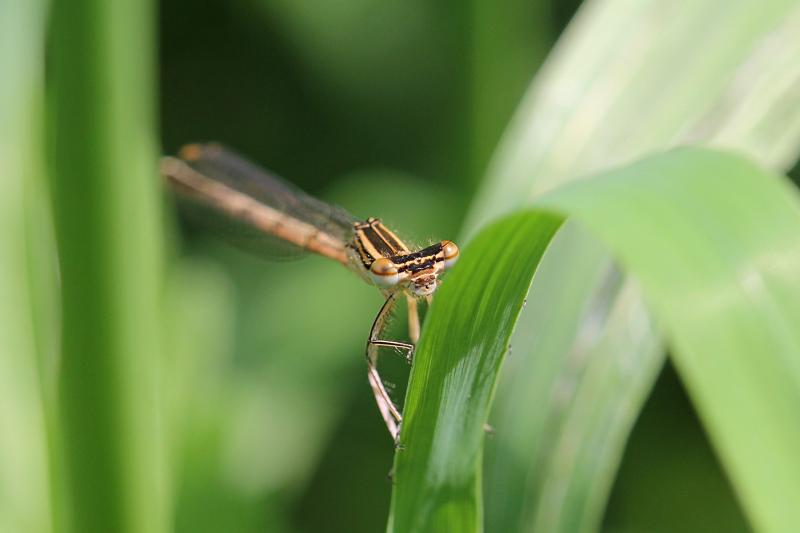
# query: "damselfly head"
{"points": [[424, 275], [424, 285]]}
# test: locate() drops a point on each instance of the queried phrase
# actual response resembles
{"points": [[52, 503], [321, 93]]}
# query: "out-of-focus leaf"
{"points": [[714, 242], [719, 277], [107, 221], [626, 78], [25, 492], [606, 96]]}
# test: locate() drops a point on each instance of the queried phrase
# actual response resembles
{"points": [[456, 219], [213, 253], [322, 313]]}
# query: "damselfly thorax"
{"points": [[222, 182], [390, 263]]}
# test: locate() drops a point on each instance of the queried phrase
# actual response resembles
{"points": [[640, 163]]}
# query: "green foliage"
{"points": [[713, 241], [108, 228], [25, 504], [716, 265], [229, 395], [437, 467], [612, 91]]}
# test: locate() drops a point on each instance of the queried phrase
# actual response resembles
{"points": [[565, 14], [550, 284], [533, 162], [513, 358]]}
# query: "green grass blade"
{"points": [[453, 378], [592, 106], [25, 503], [107, 220], [716, 263]]}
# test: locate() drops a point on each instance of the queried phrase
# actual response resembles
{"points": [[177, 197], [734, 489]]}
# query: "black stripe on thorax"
{"points": [[377, 240], [416, 267], [374, 240], [431, 250], [366, 258], [390, 238]]}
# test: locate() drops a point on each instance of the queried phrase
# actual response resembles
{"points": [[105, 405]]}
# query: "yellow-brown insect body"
{"points": [[381, 257]]}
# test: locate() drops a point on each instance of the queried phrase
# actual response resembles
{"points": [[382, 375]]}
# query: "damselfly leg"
{"points": [[413, 320], [389, 411]]}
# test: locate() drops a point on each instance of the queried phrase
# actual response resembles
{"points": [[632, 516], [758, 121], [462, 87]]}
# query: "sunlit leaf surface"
{"points": [[453, 378], [714, 243]]}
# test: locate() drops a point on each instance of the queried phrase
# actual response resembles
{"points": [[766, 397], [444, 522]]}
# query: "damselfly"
{"points": [[221, 180]]}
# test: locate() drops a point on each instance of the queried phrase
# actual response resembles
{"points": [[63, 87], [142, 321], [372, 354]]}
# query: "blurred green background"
{"points": [[374, 106], [388, 108]]}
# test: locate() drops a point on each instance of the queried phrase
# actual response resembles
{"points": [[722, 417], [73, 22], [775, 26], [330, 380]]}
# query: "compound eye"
{"points": [[450, 252], [384, 272]]}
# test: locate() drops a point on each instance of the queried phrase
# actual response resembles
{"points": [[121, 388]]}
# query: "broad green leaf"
{"points": [[714, 243], [626, 78], [25, 503], [593, 104]]}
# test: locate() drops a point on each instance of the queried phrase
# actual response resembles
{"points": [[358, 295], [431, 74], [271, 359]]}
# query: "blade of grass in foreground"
{"points": [[715, 244], [107, 225], [25, 504]]}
